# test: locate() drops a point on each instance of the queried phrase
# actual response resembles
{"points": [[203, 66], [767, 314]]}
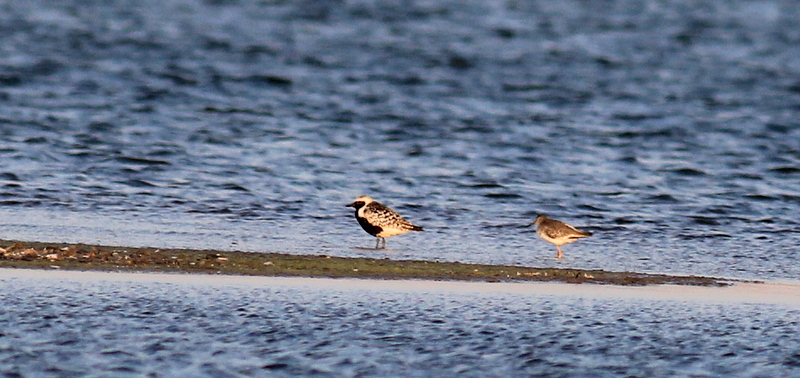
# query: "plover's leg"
{"points": [[377, 242], [560, 255], [384, 243]]}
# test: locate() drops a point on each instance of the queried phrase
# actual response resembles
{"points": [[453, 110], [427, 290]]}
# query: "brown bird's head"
{"points": [[539, 219]]}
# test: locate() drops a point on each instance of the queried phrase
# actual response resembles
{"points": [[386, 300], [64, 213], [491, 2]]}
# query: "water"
{"points": [[170, 326], [668, 129]]}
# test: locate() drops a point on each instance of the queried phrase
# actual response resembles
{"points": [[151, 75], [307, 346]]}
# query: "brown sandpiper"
{"points": [[557, 232]]}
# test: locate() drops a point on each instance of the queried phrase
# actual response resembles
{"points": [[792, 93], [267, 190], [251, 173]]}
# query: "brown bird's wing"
{"points": [[557, 229]]}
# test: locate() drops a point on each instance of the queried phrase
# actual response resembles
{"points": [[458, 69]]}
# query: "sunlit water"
{"points": [[668, 129]]}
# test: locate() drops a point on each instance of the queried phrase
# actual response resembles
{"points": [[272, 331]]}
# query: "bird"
{"points": [[557, 232], [379, 220]]}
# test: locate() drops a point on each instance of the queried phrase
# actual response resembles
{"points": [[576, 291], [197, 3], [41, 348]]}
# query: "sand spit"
{"points": [[16, 254]]}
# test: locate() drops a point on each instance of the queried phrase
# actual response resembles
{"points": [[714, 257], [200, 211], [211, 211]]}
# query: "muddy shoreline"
{"points": [[19, 254]]}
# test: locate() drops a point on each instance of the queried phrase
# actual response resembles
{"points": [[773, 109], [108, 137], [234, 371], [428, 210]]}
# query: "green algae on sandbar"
{"points": [[97, 257]]}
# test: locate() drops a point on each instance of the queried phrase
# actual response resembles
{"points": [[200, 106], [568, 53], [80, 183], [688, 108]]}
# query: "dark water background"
{"points": [[670, 129]]}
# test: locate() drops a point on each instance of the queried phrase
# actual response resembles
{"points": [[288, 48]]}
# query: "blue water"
{"points": [[668, 129], [166, 327]]}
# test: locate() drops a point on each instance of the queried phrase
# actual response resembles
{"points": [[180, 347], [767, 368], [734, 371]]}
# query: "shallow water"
{"points": [[90, 324], [669, 130]]}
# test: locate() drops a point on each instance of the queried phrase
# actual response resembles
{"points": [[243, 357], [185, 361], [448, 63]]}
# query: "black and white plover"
{"points": [[379, 220], [557, 232]]}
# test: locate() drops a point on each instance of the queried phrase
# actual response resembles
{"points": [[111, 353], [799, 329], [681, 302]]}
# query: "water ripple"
{"points": [[76, 327], [461, 116]]}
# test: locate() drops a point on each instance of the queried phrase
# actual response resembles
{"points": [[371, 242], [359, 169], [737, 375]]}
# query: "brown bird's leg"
{"points": [[560, 255], [377, 242]]}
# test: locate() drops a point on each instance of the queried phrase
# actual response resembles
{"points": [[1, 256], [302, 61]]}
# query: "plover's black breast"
{"points": [[370, 228]]}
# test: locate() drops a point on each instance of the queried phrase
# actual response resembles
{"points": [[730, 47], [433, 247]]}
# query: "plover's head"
{"points": [[361, 201], [539, 220]]}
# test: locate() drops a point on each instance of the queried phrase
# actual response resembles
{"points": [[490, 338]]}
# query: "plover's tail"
{"points": [[416, 228]]}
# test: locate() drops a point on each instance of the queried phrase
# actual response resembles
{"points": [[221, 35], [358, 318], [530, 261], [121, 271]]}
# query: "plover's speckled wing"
{"points": [[379, 215]]}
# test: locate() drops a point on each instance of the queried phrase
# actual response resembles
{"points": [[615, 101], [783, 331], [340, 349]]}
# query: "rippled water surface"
{"points": [[668, 129], [167, 327]]}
